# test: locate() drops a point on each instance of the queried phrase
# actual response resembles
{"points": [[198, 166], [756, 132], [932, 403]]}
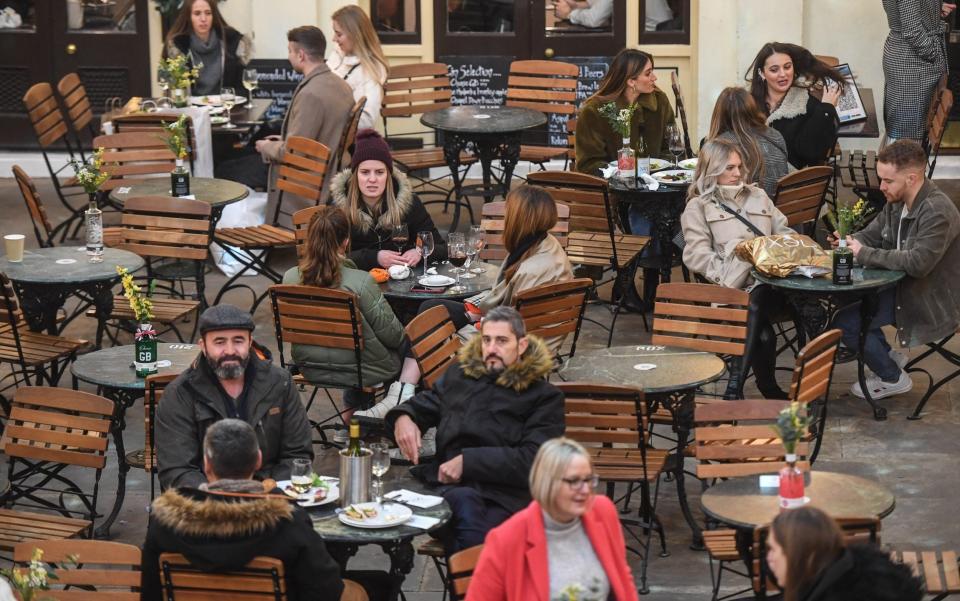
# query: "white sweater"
{"points": [[361, 83]]}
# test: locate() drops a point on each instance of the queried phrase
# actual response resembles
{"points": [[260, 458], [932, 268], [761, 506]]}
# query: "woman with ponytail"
{"points": [[325, 265]]}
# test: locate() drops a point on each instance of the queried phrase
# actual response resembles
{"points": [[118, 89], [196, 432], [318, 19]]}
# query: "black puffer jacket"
{"points": [[496, 422], [808, 126], [864, 573], [368, 238]]}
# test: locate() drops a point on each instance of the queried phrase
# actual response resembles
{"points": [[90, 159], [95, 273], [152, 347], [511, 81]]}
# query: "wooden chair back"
{"points": [[348, 135], [935, 102], [434, 343], [260, 580], [130, 156], [571, 145], [701, 317], [166, 227], [553, 311], [938, 126], [152, 124], [353, 592], [104, 570], [301, 223], [42, 228], [585, 195], [154, 385], [938, 570], [45, 115], [75, 100], [800, 195], [830, 61], [492, 222], [302, 171], [415, 89], [10, 312], [736, 438], [682, 113], [460, 569], [546, 86], [813, 370]]}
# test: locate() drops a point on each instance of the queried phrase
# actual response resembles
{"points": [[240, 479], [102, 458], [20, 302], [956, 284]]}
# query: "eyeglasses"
{"points": [[577, 483]]}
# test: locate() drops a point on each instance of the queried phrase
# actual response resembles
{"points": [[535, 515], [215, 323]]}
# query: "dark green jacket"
{"points": [[597, 143]]}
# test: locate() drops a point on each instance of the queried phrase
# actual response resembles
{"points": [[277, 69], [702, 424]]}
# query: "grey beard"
{"points": [[228, 372]]}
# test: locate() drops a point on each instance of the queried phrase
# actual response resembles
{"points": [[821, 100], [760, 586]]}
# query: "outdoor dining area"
{"points": [[657, 360]]}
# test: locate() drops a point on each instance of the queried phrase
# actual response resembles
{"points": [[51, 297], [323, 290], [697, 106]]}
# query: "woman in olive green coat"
{"points": [[324, 265]]}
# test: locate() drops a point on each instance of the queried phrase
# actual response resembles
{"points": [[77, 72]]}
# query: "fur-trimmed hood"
{"points": [[216, 514], [793, 105], [402, 191], [533, 365]]}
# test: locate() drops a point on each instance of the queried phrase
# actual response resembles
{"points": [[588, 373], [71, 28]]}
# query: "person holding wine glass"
{"points": [[377, 198], [358, 58], [219, 51]]}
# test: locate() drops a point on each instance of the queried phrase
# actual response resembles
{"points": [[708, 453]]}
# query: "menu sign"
{"points": [[478, 80], [277, 81]]}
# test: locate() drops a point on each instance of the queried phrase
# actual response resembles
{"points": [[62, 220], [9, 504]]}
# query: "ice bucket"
{"points": [[355, 477]]}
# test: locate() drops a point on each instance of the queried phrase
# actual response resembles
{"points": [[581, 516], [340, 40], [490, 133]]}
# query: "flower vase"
{"points": [[179, 180], [93, 219], [626, 158], [145, 350], [791, 484], [180, 97]]}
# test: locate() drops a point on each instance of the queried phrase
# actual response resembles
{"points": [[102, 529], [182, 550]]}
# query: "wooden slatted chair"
{"points": [[33, 357], [571, 164], [42, 228], [74, 96], [348, 135], [462, 564], [937, 569], [411, 90], [104, 570], [305, 166], [492, 223], [594, 241], [48, 431], [131, 157], [611, 422], [262, 579], [682, 113], [546, 86], [152, 124], [433, 343], [51, 131], [154, 385], [555, 311], [800, 196]]}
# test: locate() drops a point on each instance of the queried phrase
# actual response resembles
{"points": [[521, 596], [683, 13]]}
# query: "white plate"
{"points": [[218, 120], [689, 163], [209, 100], [661, 176], [436, 281], [388, 516], [333, 493], [658, 164]]}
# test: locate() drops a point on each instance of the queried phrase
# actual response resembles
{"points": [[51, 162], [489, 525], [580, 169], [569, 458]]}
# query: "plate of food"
{"points": [[690, 164], [374, 515], [215, 120], [673, 177], [322, 491], [658, 164], [436, 281], [210, 100]]}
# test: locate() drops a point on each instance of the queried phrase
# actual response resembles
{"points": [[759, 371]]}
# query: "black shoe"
{"points": [[846, 355], [773, 393]]}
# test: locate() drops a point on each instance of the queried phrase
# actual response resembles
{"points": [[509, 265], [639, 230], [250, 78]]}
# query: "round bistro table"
{"points": [[217, 192], [405, 301]]}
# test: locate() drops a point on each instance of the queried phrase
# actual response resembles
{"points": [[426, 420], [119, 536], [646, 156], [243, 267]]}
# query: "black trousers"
{"points": [[458, 315], [249, 170], [766, 304]]}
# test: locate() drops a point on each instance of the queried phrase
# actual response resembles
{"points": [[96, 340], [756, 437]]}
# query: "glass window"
{"points": [[480, 16], [396, 21], [17, 15], [102, 15], [571, 16], [665, 22]]}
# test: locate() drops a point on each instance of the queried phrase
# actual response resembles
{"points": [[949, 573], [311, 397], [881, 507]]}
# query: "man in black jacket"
{"points": [[226, 522], [227, 380], [492, 410]]}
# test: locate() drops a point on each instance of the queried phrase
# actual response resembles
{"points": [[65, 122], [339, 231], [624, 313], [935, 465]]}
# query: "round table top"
{"points": [[113, 367], [68, 265], [217, 192], [740, 502], [627, 190], [674, 368], [863, 279], [400, 289], [476, 120]]}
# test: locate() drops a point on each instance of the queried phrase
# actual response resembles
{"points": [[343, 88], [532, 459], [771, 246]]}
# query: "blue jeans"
{"points": [[473, 517], [876, 350], [640, 225]]}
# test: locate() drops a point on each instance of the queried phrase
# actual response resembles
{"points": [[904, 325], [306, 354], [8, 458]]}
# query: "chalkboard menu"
{"points": [[277, 81], [592, 70], [478, 80]]}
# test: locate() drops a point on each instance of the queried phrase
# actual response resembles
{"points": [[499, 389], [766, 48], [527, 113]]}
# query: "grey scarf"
{"points": [[209, 53]]}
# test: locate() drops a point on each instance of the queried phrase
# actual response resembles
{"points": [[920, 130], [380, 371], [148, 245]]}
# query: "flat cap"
{"points": [[224, 317]]}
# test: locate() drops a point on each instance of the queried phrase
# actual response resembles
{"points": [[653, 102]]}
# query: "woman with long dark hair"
{"points": [[201, 33], [737, 118], [798, 93]]}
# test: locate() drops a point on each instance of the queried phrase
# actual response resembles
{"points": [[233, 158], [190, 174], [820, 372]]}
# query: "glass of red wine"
{"points": [[457, 255], [399, 236]]}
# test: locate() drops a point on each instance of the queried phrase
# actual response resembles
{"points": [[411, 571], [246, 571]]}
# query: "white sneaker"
{"points": [[899, 358], [397, 393], [880, 389]]}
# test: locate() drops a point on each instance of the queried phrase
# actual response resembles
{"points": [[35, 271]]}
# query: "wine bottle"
{"points": [[354, 449]]}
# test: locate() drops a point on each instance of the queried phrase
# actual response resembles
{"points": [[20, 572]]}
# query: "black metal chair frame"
{"points": [[939, 348]]}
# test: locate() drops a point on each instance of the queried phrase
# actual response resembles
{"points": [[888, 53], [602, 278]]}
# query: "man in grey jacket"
{"points": [[228, 380], [917, 232]]}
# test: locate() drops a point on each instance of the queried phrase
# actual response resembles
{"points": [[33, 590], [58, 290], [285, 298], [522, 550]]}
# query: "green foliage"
{"points": [[792, 425], [176, 136], [618, 118], [90, 175]]}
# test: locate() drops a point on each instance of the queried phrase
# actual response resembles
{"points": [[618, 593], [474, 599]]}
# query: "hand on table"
{"points": [[854, 245], [407, 435], [389, 258], [451, 471], [411, 257]]}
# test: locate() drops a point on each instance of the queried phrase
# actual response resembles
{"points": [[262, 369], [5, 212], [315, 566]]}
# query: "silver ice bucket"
{"points": [[355, 475]]}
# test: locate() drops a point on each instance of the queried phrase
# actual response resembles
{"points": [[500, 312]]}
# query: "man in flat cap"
{"points": [[228, 380]]}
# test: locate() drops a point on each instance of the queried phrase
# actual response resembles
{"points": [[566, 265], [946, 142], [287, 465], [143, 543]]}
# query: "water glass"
{"points": [[425, 246], [380, 465], [478, 239], [457, 254]]}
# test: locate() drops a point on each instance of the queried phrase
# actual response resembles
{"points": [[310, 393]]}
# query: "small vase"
{"points": [[791, 484], [145, 350], [93, 219], [180, 180], [626, 158], [180, 97]]}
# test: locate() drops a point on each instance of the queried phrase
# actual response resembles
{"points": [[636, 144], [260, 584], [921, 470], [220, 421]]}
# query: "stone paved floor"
{"points": [[917, 460]]}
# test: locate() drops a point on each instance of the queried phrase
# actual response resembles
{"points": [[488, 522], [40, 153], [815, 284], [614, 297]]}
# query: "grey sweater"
{"points": [[773, 148], [572, 562]]}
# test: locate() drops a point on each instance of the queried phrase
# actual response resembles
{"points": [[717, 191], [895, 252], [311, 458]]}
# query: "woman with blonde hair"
{"points": [[737, 118], [568, 539], [325, 265], [358, 58], [721, 212]]}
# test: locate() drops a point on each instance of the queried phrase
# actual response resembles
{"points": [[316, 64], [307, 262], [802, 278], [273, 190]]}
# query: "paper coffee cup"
{"points": [[13, 246]]}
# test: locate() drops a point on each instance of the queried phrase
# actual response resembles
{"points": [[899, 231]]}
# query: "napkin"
{"points": [[408, 497], [652, 184], [611, 170], [422, 522]]}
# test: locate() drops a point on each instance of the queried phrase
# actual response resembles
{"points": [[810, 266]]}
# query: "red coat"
{"points": [[513, 565]]}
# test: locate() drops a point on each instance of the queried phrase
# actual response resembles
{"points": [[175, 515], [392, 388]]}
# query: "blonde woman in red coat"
{"points": [[568, 540]]}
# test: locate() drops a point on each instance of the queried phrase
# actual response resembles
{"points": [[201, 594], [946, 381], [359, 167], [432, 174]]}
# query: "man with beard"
{"points": [[227, 380], [493, 409]]}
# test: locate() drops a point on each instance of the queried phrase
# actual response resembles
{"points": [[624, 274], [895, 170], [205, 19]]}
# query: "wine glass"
{"points": [[471, 250], [228, 98], [399, 236], [478, 238], [163, 81], [425, 246], [301, 475], [380, 464], [250, 81], [675, 143], [458, 239], [457, 255]]}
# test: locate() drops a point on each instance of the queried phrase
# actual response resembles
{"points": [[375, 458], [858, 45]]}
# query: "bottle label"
{"points": [[792, 503], [180, 183], [842, 268], [145, 361]]}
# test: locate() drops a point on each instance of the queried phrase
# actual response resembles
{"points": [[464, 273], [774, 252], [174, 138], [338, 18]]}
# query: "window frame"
{"points": [[398, 37], [681, 37]]}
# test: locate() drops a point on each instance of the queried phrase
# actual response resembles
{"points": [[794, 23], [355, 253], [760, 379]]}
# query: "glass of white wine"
{"points": [[301, 476], [229, 98], [250, 82], [478, 239], [380, 464]]}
